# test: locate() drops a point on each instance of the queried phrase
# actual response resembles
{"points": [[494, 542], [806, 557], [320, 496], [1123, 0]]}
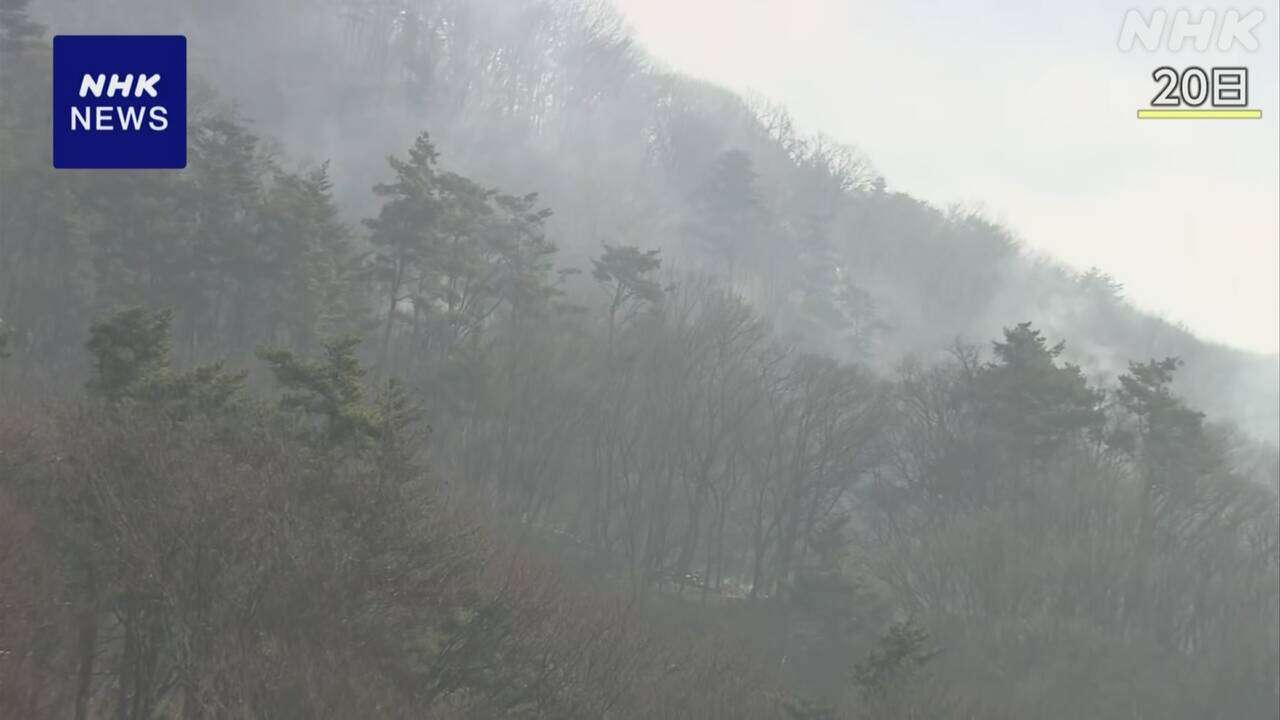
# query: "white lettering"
{"points": [[83, 116], [1136, 27], [117, 84], [147, 84], [1236, 29], [130, 117], [159, 119], [92, 83], [1183, 29], [102, 117]]}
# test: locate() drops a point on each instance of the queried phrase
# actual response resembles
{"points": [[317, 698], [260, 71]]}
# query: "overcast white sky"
{"points": [[1027, 109]]}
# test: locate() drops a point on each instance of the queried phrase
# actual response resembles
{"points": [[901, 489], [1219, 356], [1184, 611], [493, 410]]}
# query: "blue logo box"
{"points": [[120, 101]]}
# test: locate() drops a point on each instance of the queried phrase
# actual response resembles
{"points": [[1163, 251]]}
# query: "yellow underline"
{"points": [[1194, 114]]}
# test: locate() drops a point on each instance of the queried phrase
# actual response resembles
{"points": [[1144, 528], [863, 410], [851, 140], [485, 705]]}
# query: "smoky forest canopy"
{"points": [[478, 367]]}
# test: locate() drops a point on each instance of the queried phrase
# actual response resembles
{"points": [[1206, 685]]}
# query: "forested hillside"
{"points": [[554, 96], [475, 368]]}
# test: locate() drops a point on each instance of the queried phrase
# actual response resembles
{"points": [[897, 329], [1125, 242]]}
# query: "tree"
{"points": [[900, 653], [45, 288], [1166, 427], [224, 263], [457, 284], [495, 255], [1031, 399], [625, 273], [314, 292], [726, 210], [130, 350], [406, 233], [329, 390], [893, 682], [523, 255]]}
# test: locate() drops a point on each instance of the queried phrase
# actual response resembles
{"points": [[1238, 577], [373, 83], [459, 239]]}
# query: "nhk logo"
{"points": [[1235, 29], [119, 101], [100, 117], [1194, 92]]}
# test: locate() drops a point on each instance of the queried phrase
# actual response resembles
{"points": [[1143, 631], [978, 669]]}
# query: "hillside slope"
{"points": [[556, 97], [319, 420]]}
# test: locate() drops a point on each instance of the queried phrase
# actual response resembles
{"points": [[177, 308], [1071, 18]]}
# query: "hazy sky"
{"points": [[1026, 108]]}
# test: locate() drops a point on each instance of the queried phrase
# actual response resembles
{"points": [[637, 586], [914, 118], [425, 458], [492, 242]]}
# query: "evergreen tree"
{"points": [[1031, 398], [899, 655], [727, 211], [328, 390], [314, 290], [406, 234], [626, 275], [130, 350]]}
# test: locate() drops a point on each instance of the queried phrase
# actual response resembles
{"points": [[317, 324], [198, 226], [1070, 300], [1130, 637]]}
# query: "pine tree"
{"points": [[314, 291], [899, 655], [328, 391], [130, 350], [727, 211], [1032, 399], [626, 275], [406, 233]]}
